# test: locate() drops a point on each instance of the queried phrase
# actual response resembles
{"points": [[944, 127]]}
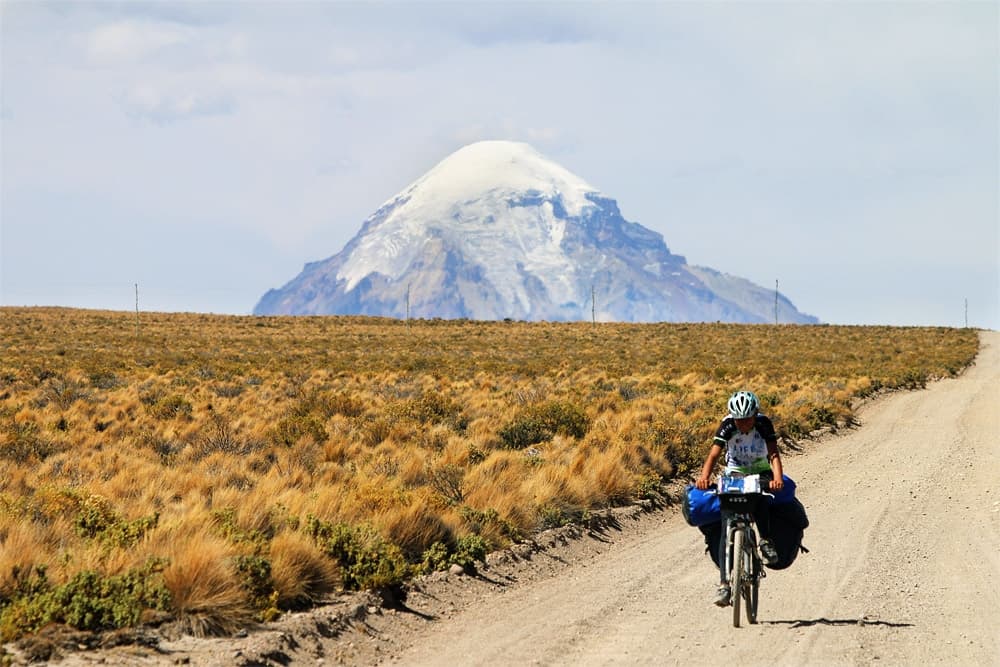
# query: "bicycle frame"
{"points": [[738, 496], [744, 566]]}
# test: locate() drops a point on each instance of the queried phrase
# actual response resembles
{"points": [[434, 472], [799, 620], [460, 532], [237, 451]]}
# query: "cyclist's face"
{"points": [[745, 424]]}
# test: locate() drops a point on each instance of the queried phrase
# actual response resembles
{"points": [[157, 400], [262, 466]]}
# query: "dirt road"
{"points": [[904, 569]]}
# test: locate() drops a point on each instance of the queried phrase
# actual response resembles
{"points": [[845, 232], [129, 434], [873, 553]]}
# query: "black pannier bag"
{"points": [[788, 521]]}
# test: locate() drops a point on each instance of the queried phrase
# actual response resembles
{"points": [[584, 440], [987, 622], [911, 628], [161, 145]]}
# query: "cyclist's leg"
{"points": [[762, 517], [723, 595]]}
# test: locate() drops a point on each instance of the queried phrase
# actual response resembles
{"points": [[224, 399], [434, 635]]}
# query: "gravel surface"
{"points": [[903, 567]]}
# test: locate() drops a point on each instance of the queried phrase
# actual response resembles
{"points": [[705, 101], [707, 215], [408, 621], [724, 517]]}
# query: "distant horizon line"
{"points": [[501, 321]]}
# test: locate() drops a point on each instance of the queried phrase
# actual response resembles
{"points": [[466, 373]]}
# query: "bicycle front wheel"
{"points": [[736, 577]]}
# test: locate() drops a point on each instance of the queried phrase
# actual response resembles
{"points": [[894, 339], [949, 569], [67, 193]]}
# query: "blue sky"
{"points": [[207, 150]]}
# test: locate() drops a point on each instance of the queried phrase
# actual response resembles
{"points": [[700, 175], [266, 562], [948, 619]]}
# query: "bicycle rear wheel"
{"points": [[751, 577], [736, 577], [752, 588]]}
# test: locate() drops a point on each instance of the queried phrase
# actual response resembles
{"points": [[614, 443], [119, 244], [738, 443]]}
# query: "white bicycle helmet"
{"points": [[743, 404]]}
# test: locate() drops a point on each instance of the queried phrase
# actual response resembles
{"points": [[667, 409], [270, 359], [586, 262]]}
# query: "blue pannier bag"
{"points": [[702, 507]]}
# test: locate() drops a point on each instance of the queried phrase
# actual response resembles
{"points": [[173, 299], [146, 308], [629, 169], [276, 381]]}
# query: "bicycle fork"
{"points": [[733, 524]]}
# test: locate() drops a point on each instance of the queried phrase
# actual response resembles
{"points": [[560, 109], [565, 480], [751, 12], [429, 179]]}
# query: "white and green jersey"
{"points": [[746, 452]]}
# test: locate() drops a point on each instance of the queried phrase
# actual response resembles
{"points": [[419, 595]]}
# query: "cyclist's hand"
{"points": [[702, 483], [777, 484]]}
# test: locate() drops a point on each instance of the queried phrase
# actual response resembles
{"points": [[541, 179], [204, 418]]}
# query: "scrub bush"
{"points": [[540, 422], [88, 601], [366, 560]]}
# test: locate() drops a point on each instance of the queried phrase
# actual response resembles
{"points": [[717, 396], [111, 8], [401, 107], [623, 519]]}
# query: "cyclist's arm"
{"points": [[774, 458], [706, 470]]}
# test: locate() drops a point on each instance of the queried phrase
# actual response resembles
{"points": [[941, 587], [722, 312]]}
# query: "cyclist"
{"points": [[751, 447]]}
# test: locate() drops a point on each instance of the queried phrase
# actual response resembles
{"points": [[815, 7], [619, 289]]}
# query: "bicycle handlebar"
{"points": [[715, 491]]}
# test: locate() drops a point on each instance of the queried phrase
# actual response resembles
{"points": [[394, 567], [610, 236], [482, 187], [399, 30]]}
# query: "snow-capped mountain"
{"points": [[496, 230]]}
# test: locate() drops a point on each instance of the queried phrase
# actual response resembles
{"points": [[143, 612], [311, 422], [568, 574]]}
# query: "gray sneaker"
{"points": [[723, 595], [768, 553]]}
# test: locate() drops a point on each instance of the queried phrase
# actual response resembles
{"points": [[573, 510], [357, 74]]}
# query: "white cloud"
{"points": [[130, 40], [506, 128], [160, 106]]}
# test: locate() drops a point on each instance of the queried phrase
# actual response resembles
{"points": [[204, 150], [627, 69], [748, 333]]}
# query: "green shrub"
{"points": [[64, 392], [169, 407], [105, 380], [97, 520], [429, 408], [289, 430], [225, 523], [447, 480], [480, 521], [221, 436], [436, 557], [683, 444], [22, 442], [648, 484], [435, 408], [344, 404], [27, 582], [821, 415], [468, 550], [255, 578], [913, 379], [227, 390], [89, 601], [553, 516], [768, 400], [629, 391], [539, 423], [367, 560]]}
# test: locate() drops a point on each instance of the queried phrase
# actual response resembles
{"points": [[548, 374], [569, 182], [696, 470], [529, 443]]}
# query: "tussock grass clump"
{"points": [[221, 470], [300, 572], [206, 595]]}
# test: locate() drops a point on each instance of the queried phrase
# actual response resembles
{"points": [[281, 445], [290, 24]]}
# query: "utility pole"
{"points": [[966, 312], [593, 307], [137, 311], [775, 300], [407, 305]]}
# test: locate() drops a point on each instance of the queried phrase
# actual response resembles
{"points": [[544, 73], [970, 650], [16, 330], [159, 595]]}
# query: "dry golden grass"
{"points": [[301, 573], [206, 595], [26, 544], [213, 441]]}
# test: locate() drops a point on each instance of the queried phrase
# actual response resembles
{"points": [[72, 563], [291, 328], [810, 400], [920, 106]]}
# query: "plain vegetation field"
{"points": [[216, 470]]}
